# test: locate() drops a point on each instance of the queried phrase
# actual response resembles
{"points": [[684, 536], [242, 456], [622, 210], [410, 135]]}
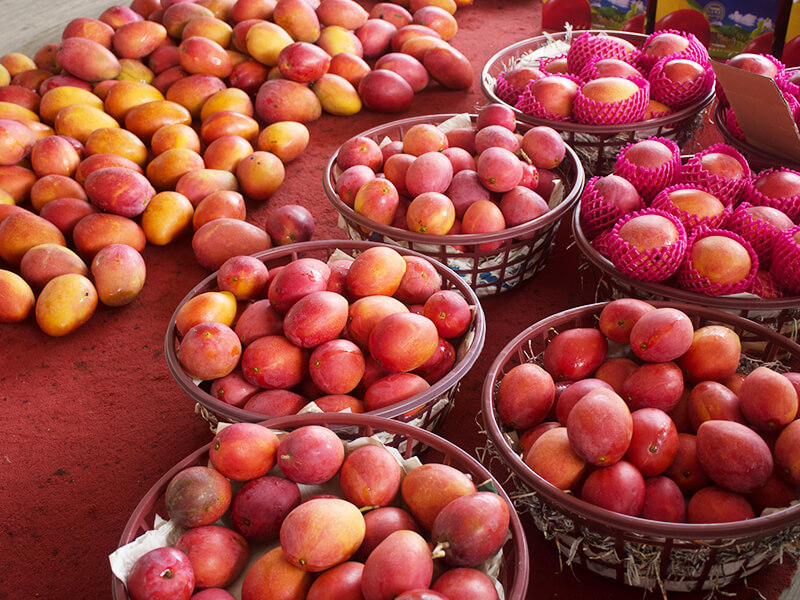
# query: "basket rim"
{"points": [[720, 302], [645, 527], [757, 154], [396, 233], [600, 130], [450, 379], [522, 559]]}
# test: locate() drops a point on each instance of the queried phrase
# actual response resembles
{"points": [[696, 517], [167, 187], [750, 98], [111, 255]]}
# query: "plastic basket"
{"points": [[525, 248], [426, 410], [515, 565], [601, 280], [596, 144], [631, 550]]}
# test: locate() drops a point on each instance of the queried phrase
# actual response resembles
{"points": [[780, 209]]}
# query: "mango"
{"points": [[21, 231], [97, 230], [198, 184], [16, 141], [65, 303], [115, 140], [124, 95], [285, 139], [65, 95], [734, 456], [42, 263], [133, 69], [337, 95], [144, 120], [167, 218], [217, 241], [50, 187], [16, 297], [79, 121], [285, 100], [298, 18], [89, 28], [167, 168], [203, 55], [119, 191], [138, 39], [118, 272], [87, 59], [9, 110], [219, 307], [265, 40]]}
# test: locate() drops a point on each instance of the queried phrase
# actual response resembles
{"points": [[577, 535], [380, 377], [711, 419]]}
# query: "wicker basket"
{"points": [[515, 563], [426, 410], [758, 159], [631, 550], [596, 144], [525, 248], [601, 280]]}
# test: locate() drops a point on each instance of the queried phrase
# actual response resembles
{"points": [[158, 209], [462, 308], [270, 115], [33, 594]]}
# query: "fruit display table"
{"points": [[94, 418]]}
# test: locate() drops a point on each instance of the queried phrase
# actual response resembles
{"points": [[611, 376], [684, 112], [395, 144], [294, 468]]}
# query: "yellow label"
{"points": [[664, 7], [793, 28]]}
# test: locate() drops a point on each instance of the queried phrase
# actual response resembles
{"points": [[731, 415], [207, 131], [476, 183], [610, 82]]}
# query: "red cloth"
{"points": [[93, 419]]}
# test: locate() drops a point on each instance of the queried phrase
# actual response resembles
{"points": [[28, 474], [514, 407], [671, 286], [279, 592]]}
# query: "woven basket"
{"points": [[426, 410], [597, 145], [601, 280], [524, 248], [514, 565], [631, 550]]}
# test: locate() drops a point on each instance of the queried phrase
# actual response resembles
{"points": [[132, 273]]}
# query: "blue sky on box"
{"points": [[727, 12]]}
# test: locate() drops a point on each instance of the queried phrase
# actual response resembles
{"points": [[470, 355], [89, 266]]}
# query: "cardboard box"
{"points": [[761, 111], [619, 14], [727, 27]]}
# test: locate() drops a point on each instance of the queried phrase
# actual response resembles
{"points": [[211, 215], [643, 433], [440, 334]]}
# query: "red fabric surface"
{"points": [[93, 419]]}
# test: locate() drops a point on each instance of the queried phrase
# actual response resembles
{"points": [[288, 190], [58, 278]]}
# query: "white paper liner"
{"points": [[166, 533]]}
